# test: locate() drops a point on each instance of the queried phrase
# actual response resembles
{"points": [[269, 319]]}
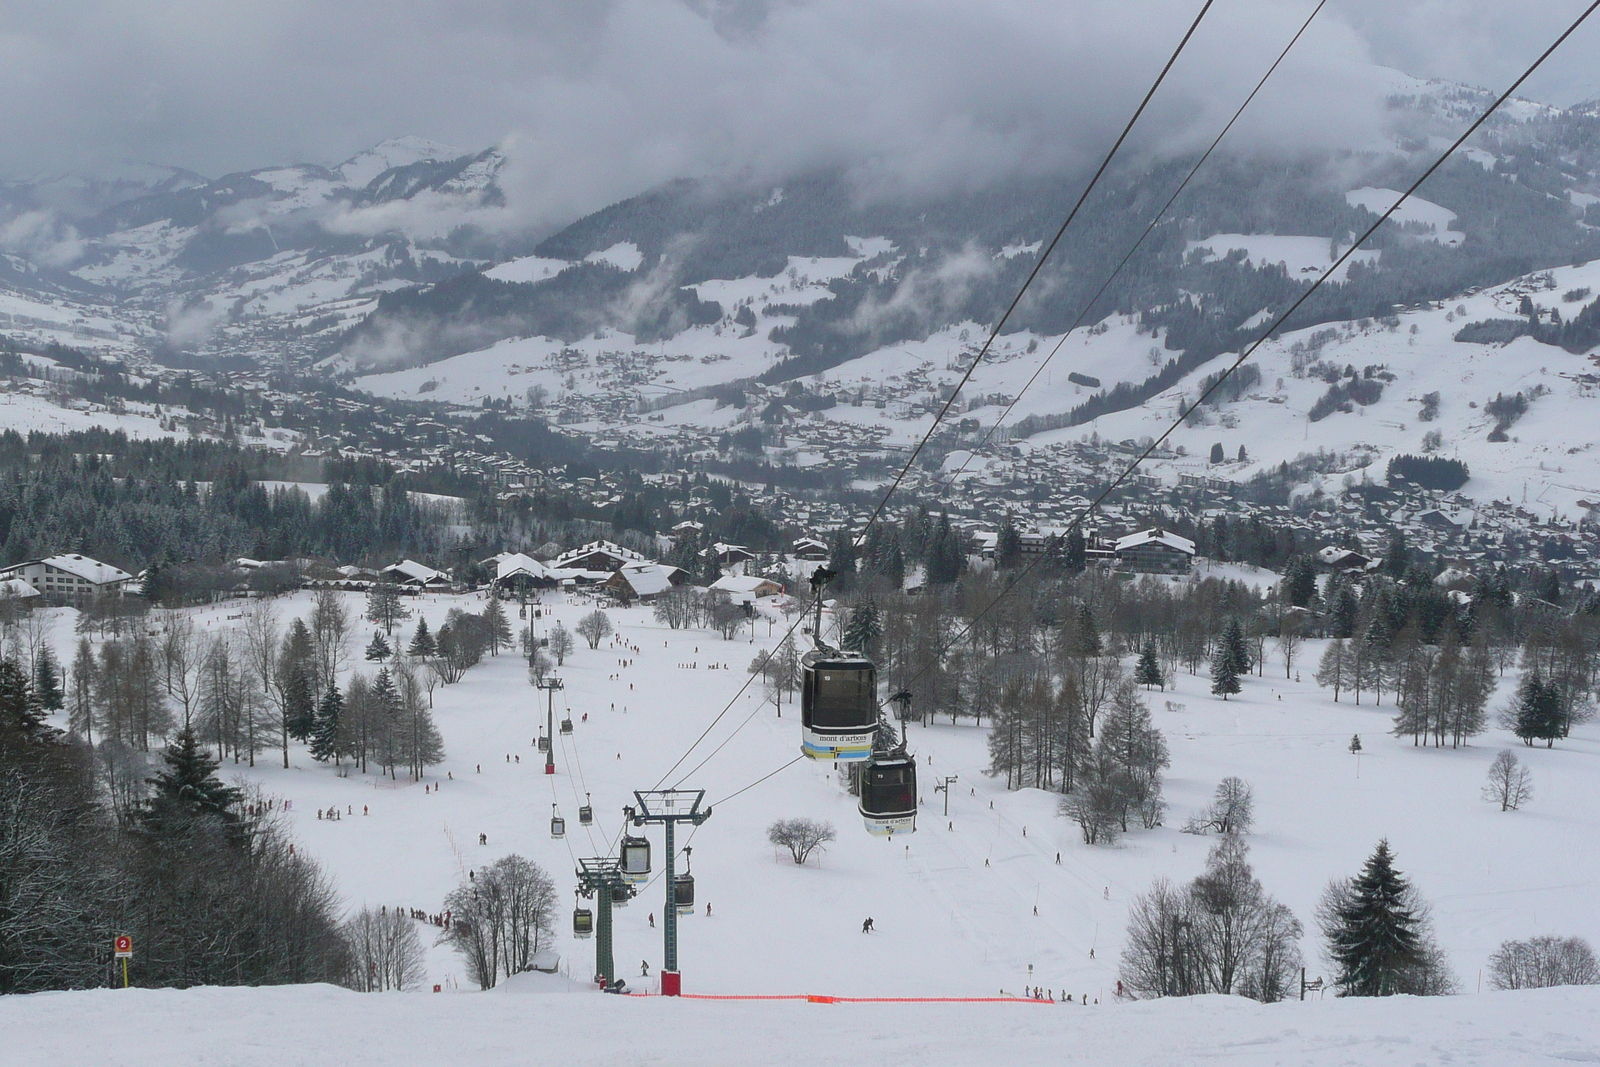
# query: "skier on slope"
{"points": [[866, 927]]}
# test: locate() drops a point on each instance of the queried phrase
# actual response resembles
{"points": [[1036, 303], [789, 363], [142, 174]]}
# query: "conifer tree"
{"points": [[1229, 660], [1008, 546], [19, 708], [325, 736], [296, 666], [1224, 680], [378, 649], [1536, 711], [188, 792], [1333, 667], [422, 646], [499, 627], [864, 629], [47, 681], [1148, 671], [1374, 933]]}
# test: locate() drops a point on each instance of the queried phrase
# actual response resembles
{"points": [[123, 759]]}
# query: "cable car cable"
{"points": [[1250, 349], [1037, 267], [1083, 314], [1044, 255]]}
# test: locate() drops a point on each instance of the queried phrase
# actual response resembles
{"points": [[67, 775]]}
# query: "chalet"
{"points": [[1343, 559], [688, 528], [70, 579], [746, 590], [729, 554], [517, 573], [1154, 551], [644, 581], [597, 556], [17, 590], [809, 548], [409, 572]]}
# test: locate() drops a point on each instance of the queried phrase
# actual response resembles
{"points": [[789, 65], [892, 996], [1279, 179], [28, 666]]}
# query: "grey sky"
{"points": [[598, 98]]}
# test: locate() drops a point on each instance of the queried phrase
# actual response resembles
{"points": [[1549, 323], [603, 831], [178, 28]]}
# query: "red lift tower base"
{"points": [[671, 984]]}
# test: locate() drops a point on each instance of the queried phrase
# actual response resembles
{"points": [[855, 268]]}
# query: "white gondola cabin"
{"points": [[838, 705], [888, 802]]}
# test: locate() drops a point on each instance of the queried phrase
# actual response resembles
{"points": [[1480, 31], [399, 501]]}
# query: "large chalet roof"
{"points": [[91, 570], [1154, 537], [610, 548]]}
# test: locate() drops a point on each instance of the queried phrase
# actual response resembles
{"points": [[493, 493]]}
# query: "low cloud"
{"points": [[598, 99]]}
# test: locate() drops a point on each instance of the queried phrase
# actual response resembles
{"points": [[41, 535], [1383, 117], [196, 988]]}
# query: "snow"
{"points": [[953, 906], [624, 255], [362, 167], [1301, 256], [527, 269], [1415, 209], [291, 1027]]}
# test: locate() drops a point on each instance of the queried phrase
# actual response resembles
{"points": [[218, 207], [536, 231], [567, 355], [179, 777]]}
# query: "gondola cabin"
{"points": [[888, 802], [582, 922], [838, 705], [683, 893], [635, 859], [586, 816], [620, 895], [558, 826], [566, 726]]}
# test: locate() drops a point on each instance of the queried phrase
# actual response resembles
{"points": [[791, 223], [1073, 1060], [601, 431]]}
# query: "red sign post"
{"points": [[122, 947]]}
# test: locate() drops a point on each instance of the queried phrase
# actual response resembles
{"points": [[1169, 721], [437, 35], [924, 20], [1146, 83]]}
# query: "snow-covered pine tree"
{"points": [[188, 791], [1375, 934], [499, 627], [378, 649], [325, 735], [1148, 670], [864, 629], [47, 681], [1224, 679], [19, 708], [1334, 665], [422, 646]]}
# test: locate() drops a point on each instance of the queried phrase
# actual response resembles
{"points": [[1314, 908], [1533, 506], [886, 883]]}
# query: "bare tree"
{"points": [[1540, 962], [560, 639], [502, 918], [385, 951], [330, 633], [1232, 810], [182, 659], [1290, 638], [1510, 783], [260, 642], [594, 627], [801, 836]]}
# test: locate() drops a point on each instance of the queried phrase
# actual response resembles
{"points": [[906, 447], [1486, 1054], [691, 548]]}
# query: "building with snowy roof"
{"points": [[644, 581], [410, 572], [597, 556], [517, 572], [1154, 551], [70, 579]]}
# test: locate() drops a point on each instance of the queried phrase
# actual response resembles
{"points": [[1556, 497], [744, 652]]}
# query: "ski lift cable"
{"points": [[1038, 265], [725, 740], [1083, 313], [1044, 255], [588, 828], [577, 761], [1250, 349]]}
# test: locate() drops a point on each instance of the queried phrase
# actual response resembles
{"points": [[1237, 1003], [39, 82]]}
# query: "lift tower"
{"points": [[670, 807]]}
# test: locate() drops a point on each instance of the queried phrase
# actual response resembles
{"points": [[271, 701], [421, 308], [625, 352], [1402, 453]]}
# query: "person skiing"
{"points": [[866, 927], [652, 920], [644, 968]]}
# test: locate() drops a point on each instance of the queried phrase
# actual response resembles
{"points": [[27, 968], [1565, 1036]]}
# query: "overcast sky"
{"points": [[596, 99]]}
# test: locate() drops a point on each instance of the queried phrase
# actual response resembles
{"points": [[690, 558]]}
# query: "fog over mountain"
{"points": [[593, 102]]}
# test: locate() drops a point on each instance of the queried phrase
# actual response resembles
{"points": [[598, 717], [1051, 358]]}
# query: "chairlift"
{"points": [[558, 825], [635, 859], [888, 802], [586, 812]]}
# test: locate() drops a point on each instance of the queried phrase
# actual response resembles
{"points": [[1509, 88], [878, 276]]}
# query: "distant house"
{"points": [[746, 590], [809, 548], [70, 579], [1343, 559], [1154, 551], [644, 581], [597, 556], [688, 528], [417, 575], [729, 554]]}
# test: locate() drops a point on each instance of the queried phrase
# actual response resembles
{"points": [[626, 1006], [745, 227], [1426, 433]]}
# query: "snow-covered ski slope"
{"points": [[953, 903], [311, 1026]]}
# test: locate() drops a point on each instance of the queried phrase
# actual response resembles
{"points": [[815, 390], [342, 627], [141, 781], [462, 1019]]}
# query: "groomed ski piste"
{"points": [[953, 904]]}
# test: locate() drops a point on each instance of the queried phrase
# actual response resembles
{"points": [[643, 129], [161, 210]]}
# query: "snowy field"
{"points": [[954, 903], [312, 1026]]}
